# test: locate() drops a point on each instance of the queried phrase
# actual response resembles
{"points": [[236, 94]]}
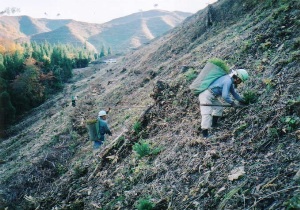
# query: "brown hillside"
{"points": [[48, 163]]}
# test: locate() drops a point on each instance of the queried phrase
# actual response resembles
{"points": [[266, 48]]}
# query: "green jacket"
{"points": [[102, 129]]}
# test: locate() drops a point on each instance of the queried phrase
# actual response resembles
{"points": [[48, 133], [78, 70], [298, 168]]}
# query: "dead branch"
{"points": [[104, 152]]}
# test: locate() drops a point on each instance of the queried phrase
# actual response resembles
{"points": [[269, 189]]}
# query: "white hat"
{"points": [[102, 113]]}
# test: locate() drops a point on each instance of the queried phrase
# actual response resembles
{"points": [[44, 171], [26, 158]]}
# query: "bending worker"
{"points": [[217, 93]]}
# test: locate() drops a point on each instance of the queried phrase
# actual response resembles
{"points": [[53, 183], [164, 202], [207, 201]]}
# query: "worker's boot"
{"points": [[215, 121], [205, 133]]}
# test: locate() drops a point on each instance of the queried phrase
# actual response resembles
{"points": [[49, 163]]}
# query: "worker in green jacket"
{"points": [[102, 129]]}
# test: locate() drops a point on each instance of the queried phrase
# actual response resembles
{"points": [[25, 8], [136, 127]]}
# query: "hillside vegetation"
{"points": [[156, 158], [31, 73]]}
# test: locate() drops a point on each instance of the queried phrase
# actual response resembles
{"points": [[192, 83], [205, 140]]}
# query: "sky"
{"points": [[95, 11]]}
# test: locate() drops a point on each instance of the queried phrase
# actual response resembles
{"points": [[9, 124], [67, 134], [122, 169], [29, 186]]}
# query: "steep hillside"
{"points": [[48, 162]]}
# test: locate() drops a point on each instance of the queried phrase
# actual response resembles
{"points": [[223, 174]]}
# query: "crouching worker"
{"points": [[102, 129], [218, 92]]}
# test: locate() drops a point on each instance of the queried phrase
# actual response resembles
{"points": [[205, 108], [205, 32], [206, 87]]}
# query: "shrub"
{"points": [[127, 117], [294, 106], [61, 169], [145, 204], [250, 97], [121, 138], [294, 203], [296, 43], [296, 55], [273, 132], [246, 45], [266, 45], [291, 122], [156, 151], [137, 127], [191, 74], [142, 148], [269, 82], [80, 171], [220, 63], [77, 204]]}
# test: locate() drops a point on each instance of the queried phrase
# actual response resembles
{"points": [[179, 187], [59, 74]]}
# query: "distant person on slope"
{"points": [[102, 129], [218, 92], [74, 99]]}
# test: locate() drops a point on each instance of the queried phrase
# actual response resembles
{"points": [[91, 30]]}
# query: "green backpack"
{"points": [[92, 127], [208, 75]]}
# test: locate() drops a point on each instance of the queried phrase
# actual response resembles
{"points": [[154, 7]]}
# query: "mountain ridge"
{"points": [[40, 29]]}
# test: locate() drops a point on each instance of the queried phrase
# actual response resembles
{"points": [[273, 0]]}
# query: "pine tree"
{"points": [[3, 72], [95, 56], [102, 52]]}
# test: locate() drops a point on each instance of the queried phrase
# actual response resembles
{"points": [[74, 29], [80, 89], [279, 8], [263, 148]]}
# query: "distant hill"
{"points": [[121, 34]]}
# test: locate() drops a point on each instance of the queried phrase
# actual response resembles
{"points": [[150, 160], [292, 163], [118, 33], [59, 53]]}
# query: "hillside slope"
{"points": [[48, 153]]}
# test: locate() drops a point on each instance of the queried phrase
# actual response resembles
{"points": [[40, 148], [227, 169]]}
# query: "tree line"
{"points": [[31, 72]]}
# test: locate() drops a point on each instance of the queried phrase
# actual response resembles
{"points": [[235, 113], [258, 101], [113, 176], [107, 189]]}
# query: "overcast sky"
{"points": [[96, 11]]}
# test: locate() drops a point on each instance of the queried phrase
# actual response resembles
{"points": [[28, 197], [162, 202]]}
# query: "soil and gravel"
{"points": [[251, 162]]}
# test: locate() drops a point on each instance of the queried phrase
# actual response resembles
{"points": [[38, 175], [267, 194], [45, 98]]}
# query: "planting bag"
{"points": [[92, 130], [209, 73]]}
